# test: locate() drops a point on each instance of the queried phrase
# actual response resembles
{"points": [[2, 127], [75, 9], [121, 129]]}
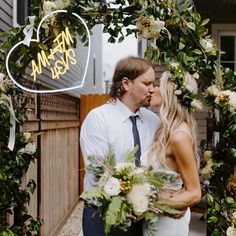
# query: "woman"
{"points": [[174, 150]]}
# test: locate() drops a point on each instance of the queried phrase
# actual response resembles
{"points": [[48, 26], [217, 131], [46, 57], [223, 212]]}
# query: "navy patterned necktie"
{"points": [[136, 140]]}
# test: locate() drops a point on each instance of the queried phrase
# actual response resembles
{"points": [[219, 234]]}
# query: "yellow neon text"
{"points": [[61, 65]]}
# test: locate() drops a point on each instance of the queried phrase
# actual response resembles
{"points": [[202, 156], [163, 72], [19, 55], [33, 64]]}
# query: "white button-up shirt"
{"points": [[109, 124]]}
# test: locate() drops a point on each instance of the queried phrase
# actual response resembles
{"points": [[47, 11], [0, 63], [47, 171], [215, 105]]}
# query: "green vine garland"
{"points": [[176, 33]]}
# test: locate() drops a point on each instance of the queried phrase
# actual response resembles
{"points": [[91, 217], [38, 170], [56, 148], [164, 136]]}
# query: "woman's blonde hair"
{"points": [[172, 113]]}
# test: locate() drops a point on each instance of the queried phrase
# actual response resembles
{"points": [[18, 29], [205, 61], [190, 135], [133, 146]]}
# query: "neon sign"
{"points": [[58, 59]]}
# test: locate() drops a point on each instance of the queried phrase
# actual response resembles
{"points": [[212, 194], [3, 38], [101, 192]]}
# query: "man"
{"points": [[111, 125]]}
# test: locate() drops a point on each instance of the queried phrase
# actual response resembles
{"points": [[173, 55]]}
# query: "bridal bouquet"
{"points": [[125, 192]]}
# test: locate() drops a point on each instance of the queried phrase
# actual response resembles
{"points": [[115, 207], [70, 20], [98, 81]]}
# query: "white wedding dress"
{"points": [[167, 226]]}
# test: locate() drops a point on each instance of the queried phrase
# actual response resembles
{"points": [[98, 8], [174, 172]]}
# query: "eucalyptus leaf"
{"points": [[191, 25]]}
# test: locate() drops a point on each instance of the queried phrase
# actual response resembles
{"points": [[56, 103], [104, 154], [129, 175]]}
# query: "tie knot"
{"points": [[133, 119]]}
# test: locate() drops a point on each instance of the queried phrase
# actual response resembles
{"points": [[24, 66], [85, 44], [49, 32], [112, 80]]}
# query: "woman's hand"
{"points": [[166, 194]]}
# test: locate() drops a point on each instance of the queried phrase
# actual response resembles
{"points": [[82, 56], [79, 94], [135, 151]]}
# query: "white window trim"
{"points": [[229, 34], [14, 18], [219, 30]]}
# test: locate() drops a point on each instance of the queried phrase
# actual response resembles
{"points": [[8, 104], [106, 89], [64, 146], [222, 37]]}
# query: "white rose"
{"points": [[112, 186], [231, 231], [62, 4], [196, 104], [30, 148], [2, 86], [2, 76], [48, 7], [234, 215], [207, 155], [207, 44], [232, 100], [196, 75], [207, 171], [4, 99], [178, 92], [26, 136], [213, 90], [174, 64], [189, 83]]}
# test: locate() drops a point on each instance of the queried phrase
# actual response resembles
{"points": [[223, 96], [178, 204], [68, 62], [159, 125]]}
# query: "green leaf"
{"points": [[205, 21], [229, 200], [112, 214], [191, 25], [196, 16], [209, 199], [164, 206], [111, 40], [212, 220], [127, 21], [232, 152], [111, 158], [181, 46], [216, 232], [95, 196], [43, 46], [121, 39], [130, 155], [31, 185], [197, 51]]}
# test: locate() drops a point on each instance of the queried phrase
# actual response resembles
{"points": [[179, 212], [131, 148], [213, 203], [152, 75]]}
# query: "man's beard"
{"points": [[146, 102]]}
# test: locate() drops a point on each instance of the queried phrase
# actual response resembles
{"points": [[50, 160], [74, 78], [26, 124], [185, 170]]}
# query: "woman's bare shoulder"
{"points": [[180, 135]]}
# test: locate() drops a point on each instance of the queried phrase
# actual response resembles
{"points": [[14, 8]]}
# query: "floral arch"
{"points": [[176, 33]]}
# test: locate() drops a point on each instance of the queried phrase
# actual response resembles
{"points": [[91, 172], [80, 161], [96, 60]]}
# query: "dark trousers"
{"points": [[93, 225]]}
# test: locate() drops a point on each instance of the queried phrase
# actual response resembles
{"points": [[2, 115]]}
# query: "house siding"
{"points": [[5, 15]]}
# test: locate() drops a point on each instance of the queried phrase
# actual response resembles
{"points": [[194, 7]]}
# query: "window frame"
{"points": [[229, 34], [219, 30], [25, 14]]}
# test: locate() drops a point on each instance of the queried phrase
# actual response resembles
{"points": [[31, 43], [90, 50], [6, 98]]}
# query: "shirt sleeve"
{"points": [[93, 140]]}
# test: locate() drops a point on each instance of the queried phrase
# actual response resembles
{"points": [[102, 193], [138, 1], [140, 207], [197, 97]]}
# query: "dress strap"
{"points": [[184, 130]]}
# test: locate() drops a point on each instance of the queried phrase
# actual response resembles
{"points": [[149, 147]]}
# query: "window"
{"points": [[21, 11], [228, 49]]}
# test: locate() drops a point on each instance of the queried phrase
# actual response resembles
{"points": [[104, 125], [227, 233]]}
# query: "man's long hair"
{"points": [[130, 67]]}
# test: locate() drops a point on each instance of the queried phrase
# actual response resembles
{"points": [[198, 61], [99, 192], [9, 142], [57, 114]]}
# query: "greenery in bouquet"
{"points": [[125, 192]]}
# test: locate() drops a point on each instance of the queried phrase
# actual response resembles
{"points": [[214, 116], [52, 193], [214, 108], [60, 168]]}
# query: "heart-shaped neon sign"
{"points": [[58, 61]]}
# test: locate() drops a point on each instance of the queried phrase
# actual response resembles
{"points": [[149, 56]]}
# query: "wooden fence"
{"points": [[58, 172], [55, 120]]}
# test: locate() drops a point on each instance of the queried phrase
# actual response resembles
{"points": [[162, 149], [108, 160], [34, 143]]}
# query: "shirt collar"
{"points": [[126, 113]]}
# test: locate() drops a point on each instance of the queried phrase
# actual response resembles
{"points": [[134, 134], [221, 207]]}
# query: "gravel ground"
{"points": [[73, 224]]}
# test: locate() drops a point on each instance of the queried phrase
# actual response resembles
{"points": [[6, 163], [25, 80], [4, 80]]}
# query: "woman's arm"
{"points": [[181, 148]]}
